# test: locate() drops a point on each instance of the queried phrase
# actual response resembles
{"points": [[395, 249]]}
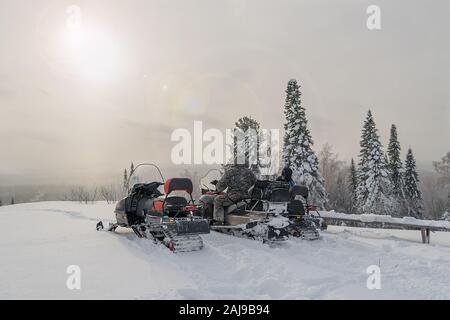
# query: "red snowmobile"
{"points": [[172, 220]]}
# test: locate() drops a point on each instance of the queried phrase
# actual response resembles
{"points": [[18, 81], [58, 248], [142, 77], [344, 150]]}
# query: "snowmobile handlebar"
{"points": [[148, 188], [211, 192], [206, 189]]}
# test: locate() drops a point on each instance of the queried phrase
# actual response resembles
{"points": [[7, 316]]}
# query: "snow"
{"points": [[40, 240]]}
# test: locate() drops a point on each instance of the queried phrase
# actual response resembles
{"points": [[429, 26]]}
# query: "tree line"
{"points": [[378, 182]]}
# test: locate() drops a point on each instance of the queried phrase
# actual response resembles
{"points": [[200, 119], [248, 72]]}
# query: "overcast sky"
{"points": [[80, 108]]}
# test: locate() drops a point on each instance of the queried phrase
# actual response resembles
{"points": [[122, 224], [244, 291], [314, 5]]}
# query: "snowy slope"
{"points": [[39, 241]]}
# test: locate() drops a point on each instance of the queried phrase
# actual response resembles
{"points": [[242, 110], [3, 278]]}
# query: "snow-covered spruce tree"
{"points": [[249, 144], [395, 170], [353, 183], [374, 191], [395, 163], [443, 169], [413, 196], [298, 152]]}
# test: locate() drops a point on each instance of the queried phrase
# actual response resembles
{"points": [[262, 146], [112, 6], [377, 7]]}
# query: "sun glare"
{"points": [[94, 55]]}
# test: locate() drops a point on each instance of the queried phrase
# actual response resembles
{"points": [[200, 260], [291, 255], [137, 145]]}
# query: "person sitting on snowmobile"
{"points": [[238, 179], [286, 176]]}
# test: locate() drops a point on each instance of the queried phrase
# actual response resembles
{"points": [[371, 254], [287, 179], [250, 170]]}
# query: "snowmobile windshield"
{"points": [[144, 174], [211, 176]]}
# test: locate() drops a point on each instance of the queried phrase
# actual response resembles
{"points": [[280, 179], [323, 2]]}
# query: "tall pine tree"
{"points": [[298, 152], [395, 163], [395, 171], [353, 183], [413, 196], [374, 192]]}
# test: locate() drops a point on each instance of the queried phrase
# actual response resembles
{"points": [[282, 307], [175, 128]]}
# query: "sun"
{"points": [[93, 54]]}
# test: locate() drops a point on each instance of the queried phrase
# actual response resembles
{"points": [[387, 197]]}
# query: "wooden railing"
{"points": [[387, 222]]}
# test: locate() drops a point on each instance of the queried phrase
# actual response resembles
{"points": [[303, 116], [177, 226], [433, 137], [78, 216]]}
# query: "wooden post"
{"points": [[425, 235]]}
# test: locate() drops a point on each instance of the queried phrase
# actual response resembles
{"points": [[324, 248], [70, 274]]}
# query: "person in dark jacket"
{"points": [[237, 180], [286, 175]]}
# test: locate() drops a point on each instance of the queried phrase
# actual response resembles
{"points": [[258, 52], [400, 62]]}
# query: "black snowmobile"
{"points": [[290, 202], [171, 220], [272, 212], [241, 222]]}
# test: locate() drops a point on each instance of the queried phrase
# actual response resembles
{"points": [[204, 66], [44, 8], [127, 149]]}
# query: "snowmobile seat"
{"points": [[178, 184], [171, 205], [175, 206], [262, 184], [176, 202], [299, 191], [280, 195], [296, 207]]}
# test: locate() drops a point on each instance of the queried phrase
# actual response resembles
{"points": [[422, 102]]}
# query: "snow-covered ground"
{"points": [[39, 241]]}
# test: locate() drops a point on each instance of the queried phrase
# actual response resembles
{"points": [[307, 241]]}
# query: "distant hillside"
{"points": [[35, 193]]}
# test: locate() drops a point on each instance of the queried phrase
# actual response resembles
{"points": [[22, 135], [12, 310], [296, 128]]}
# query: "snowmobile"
{"points": [[272, 212], [165, 218], [291, 202], [268, 227]]}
